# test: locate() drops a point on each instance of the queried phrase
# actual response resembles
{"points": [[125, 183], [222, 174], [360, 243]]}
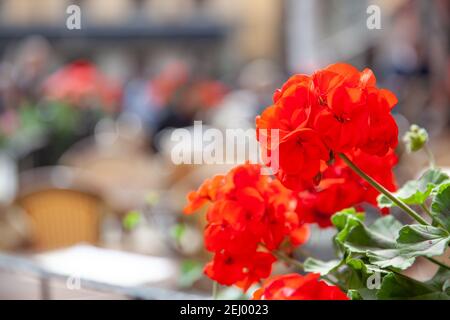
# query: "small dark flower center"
{"points": [[299, 141], [229, 260]]}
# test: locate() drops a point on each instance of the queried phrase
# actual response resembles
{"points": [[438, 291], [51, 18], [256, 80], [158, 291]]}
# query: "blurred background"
{"points": [[90, 202]]}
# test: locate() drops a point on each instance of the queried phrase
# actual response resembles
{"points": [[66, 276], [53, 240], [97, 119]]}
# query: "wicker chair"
{"points": [[59, 216]]}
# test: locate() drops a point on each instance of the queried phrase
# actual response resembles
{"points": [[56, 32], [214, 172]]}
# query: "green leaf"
{"points": [[384, 202], [345, 221], [441, 280], [357, 275], [440, 208], [387, 227], [413, 241], [395, 286], [190, 272], [321, 267], [374, 242], [177, 232], [381, 234], [131, 220], [382, 247], [354, 295], [340, 218], [366, 268], [432, 177], [416, 192], [420, 240], [386, 258]]}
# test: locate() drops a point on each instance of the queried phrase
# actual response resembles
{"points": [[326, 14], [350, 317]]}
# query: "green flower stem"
{"points": [[215, 290], [384, 191], [282, 256], [438, 263], [303, 254]]}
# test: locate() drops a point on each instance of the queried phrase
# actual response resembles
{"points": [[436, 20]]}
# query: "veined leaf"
{"points": [[395, 286], [440, 208], [345, 221], [441, 280], [382, 247], [360, 274], [413, 241], [354, 295], [419, 240], [321, 267], [381, 234], [390, 258], [416, 192]]}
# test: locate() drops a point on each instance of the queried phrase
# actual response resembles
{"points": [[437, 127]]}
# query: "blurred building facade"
{"points": [[237, 31]]}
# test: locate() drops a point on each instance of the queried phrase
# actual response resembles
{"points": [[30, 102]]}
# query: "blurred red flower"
{"points": [[82, 84], [210, 93], [298, 287]]}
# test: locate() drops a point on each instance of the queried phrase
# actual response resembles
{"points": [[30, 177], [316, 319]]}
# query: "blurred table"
{"points": [[84, 266], [123, 172]]}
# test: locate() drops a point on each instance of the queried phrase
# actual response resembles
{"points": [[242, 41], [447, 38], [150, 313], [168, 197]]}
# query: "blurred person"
{"points": [[31, 66], [180, 111], [8, 92], [182, 97], [172, 75], [139, 97]]}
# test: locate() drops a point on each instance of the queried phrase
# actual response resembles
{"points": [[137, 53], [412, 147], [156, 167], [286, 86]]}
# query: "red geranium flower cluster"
{"points": [[81, 84], [297, 287], [340, 187], [336, 110], [250, 215], [316, 125]]}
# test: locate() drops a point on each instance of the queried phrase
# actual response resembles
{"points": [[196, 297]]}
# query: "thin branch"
{"points": [[384, 191]]}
